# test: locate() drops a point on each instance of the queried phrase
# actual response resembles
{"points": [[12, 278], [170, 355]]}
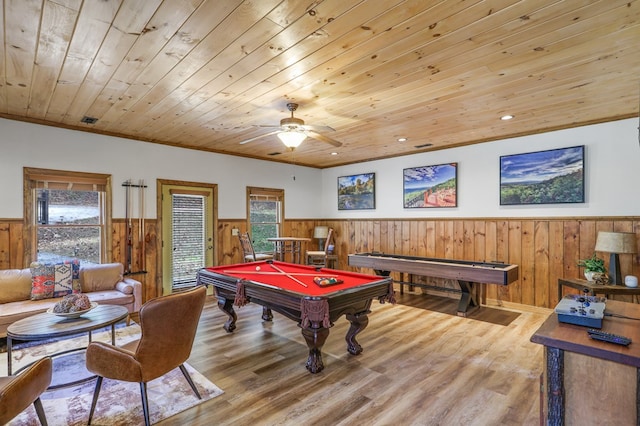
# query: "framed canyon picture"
{"points": [[430, 186]]}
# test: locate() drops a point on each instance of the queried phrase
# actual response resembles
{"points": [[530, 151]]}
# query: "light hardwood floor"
{"points": [[421, 365]]}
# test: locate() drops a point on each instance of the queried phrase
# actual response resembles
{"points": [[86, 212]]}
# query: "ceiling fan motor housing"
{"points": [[292, 123]]}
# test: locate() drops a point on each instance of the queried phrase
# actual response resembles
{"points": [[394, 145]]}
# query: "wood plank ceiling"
{"points": [[209, 74]]}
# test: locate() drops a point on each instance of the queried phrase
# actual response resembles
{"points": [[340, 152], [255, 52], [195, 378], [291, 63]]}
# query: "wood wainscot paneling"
{"points": [[545, 249]]}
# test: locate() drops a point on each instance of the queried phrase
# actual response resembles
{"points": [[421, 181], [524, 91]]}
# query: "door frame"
{"points": [[160, 184]]}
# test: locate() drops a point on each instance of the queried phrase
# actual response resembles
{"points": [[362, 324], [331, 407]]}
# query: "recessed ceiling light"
{"points": [[334, 153], [402, 139], [506, 117]]}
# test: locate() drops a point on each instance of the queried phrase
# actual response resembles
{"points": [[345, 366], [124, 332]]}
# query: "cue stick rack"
{"points": [[139, 243]]}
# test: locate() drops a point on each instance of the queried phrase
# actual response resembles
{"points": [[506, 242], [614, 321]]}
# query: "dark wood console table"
{"points": [[588, 381], [593, 288]]}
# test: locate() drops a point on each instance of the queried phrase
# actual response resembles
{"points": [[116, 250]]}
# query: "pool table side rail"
{"points": [[479, 272]]}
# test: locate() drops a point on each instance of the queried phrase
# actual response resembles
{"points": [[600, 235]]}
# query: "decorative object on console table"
{"points": [[593, 265], [616, 243], [320, 233]]}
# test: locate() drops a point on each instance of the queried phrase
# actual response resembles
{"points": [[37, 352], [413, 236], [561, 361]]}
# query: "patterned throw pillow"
{"points": [[54, 279]]}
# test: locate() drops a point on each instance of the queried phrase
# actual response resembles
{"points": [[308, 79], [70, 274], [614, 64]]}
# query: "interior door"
{"points": [[188, 224]]}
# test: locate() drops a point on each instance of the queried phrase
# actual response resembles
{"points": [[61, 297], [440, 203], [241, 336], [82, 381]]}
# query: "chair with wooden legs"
{"points": [[319, 257], [168, 325], [249, 253]]}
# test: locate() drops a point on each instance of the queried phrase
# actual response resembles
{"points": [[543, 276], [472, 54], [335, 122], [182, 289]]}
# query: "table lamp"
{"points": [[320, 232], [616, 243]]}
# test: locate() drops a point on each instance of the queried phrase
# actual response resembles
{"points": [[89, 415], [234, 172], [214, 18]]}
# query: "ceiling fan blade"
{"points": [[315, 128], [258, 137], [323, 138]]}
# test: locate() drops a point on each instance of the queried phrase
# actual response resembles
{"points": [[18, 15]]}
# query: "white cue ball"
{"points": [[257, 268]]}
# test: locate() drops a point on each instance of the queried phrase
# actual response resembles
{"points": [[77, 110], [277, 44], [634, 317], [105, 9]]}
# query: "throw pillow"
{"points": [[54, 279]]}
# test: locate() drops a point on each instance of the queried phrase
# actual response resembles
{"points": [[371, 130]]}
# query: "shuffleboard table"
{"points": [[291, 290], [469, 274]]}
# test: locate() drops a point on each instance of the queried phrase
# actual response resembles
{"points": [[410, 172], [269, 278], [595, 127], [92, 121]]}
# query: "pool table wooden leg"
{"points": [[226, 306], [267, 315], [315, 338], [358, 323]]}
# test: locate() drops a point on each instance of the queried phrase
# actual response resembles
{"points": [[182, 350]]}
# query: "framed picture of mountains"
{"points": [[430, 186], [357, 192], [544, 177]]}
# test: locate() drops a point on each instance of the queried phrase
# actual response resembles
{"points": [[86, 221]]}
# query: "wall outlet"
{"points": [[235, 232]]}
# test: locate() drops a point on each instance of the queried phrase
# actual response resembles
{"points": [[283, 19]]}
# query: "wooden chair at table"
{"points": [[168, 325], [319, 257], [250, 255], [248, 251], [21, 390]]}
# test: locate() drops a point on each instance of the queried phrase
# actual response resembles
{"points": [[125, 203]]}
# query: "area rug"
{"points": [[119, 402]]}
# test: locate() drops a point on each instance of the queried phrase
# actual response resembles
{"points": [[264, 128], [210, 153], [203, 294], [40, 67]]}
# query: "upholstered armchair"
{"points": [[168, 326], [19, 391]]}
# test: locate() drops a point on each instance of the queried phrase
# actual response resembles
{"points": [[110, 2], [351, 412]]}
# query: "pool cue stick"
{"points": [[142, 231], [285, 273], [129, 209], [271, 273]]}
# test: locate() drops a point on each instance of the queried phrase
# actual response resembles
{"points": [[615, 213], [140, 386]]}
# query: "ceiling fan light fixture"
{"points": [[291, 138]]}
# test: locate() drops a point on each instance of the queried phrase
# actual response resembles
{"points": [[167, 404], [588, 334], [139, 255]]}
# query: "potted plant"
{"points": [[593, 265]]}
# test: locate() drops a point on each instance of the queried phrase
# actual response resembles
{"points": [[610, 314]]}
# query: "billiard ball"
{"points": [[257, 268]]}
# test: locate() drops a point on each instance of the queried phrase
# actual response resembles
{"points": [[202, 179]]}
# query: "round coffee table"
{"points": [[47, 326]]}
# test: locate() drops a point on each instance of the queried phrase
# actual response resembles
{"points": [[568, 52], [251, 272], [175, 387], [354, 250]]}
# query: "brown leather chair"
{"points": [[168, 326], [19, 391]]}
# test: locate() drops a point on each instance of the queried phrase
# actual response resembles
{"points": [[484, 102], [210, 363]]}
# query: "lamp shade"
{"points": [[616, 242], [291, 138], [321, 232]]}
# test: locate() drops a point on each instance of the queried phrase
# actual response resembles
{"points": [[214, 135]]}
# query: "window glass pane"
{"points": [[57, 243], [68, 207], [265, 221], [259, 234], [68, 225]]}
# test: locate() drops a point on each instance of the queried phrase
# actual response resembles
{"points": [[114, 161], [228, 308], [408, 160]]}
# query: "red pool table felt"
{"points": [[269, 275]]}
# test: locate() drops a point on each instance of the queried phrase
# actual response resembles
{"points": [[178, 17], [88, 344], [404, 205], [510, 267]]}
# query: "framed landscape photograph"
{"points": [[357, 192], [430, 186], [543, 177]]}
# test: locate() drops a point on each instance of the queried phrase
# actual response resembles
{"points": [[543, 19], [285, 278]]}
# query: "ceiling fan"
{"points": [[292, 131]]}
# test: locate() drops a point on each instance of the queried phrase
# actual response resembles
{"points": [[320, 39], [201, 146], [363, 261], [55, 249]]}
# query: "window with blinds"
{"points": [[188, 228], [265, 213], [68, 215]]}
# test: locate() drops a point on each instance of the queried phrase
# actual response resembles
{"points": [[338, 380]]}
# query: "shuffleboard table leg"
{"points": [[468, 297], [226, 306], [315, 338], [358, 323]]}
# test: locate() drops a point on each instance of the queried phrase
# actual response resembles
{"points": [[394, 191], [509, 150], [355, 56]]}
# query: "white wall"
{"points": [[31, 145], [612, 173]]}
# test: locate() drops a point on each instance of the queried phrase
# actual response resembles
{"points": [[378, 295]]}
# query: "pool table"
{"points": [[469, 274], [290, 289]]}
